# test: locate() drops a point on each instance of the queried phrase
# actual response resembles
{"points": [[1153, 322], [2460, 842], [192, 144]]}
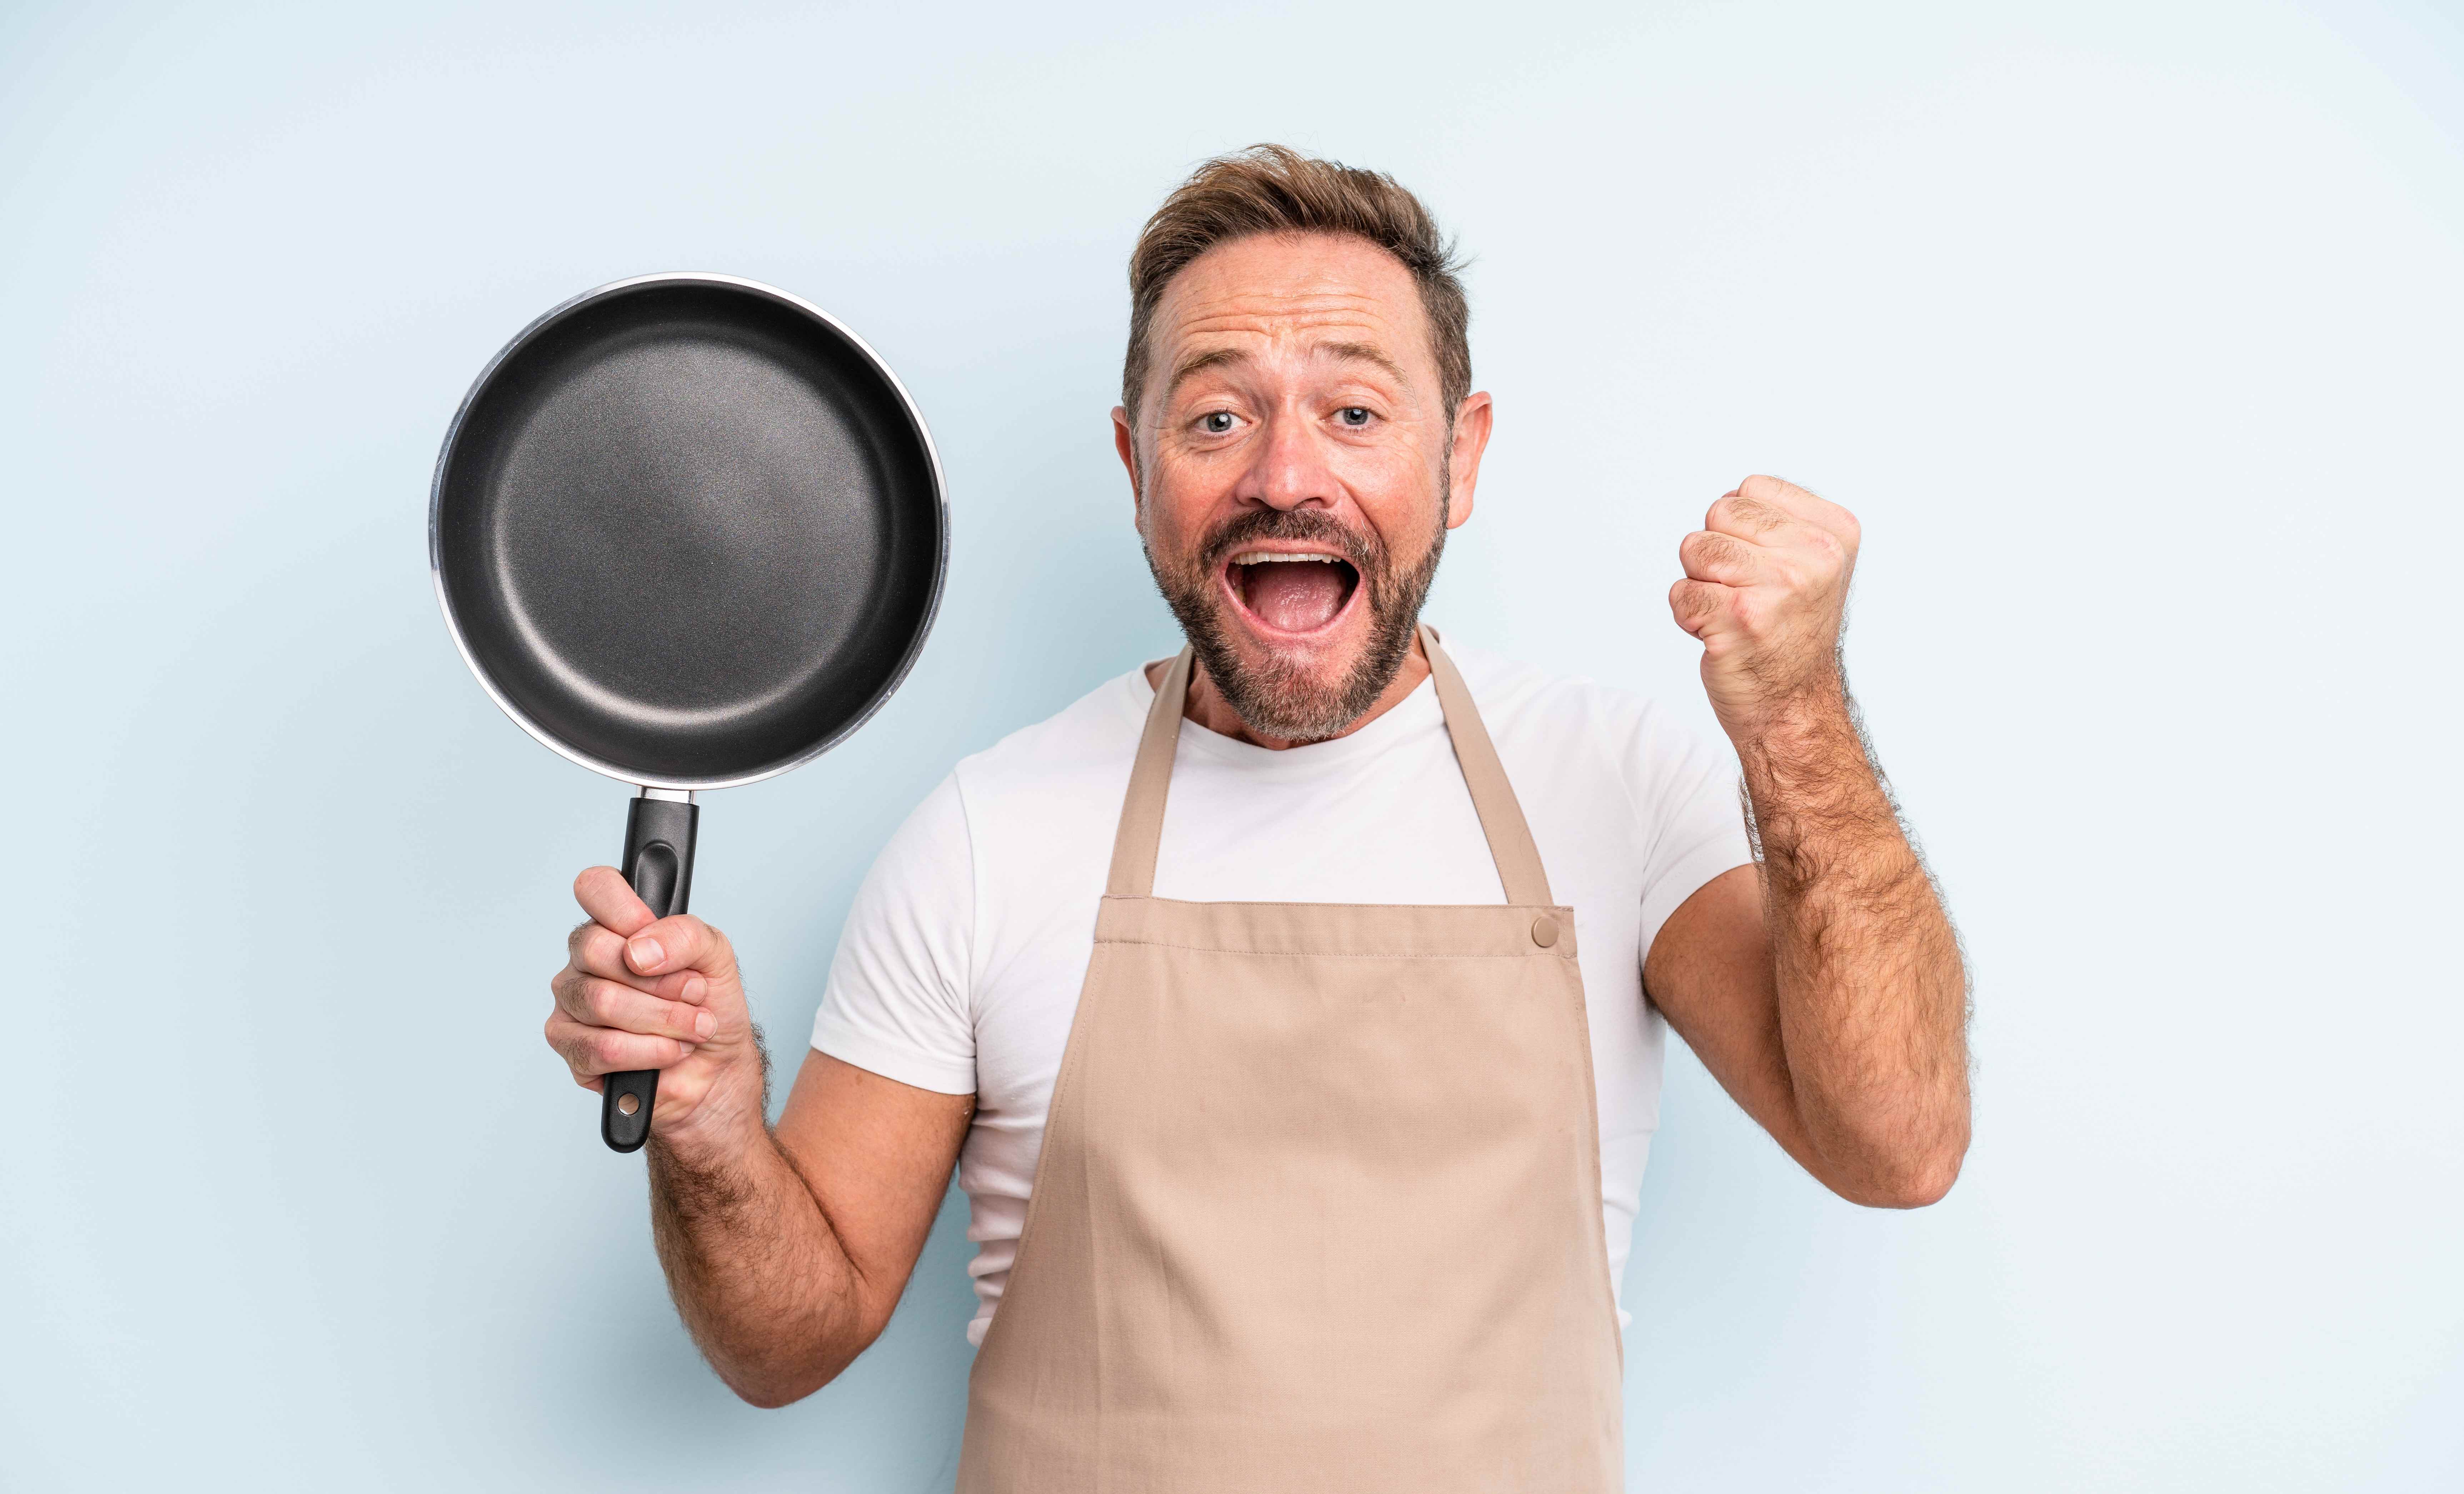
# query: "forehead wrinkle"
{"points": [[1199, 306], [1356, 315], [1281, 321]]}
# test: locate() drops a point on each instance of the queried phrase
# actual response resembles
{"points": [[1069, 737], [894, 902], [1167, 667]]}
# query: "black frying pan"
{"points": [[689, 532]]}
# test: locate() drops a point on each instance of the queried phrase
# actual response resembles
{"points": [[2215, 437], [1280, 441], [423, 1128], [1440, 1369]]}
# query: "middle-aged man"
{"points": [[1292, 1009]]}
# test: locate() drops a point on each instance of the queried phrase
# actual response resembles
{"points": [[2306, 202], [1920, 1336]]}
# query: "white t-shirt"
{"points": [[964, 952]]}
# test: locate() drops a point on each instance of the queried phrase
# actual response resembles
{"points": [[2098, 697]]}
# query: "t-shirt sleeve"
{"points": [[1693, 823], [897, 999]]}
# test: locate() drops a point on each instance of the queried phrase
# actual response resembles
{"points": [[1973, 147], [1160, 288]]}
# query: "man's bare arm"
{"points": [[785, 1251], [1825, 988], [1856, 1062], [786, 1254]]}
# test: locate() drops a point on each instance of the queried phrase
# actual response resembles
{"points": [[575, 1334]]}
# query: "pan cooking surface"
{"points": [[690, 531]]}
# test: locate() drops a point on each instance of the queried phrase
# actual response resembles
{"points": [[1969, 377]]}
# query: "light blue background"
{"points": [[2130, 330]]}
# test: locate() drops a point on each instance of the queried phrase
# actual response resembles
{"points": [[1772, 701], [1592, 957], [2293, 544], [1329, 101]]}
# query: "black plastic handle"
{"points": [[658, 860]]}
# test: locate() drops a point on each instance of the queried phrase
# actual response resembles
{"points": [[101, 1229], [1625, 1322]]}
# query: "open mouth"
{"points": [[1291, 591]]}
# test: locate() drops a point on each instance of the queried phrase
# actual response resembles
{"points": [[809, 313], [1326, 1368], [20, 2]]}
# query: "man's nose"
{"points": [[1290, 470]]}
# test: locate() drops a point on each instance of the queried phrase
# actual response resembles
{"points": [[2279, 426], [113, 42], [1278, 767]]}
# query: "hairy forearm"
{"points": [[757, 1271], [1872, 992]]}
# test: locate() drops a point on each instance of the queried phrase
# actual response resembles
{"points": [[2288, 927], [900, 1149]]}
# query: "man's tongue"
{"points": [[1296, 595]]}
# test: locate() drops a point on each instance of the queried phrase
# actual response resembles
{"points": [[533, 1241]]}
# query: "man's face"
{"points": [[1296, 472]]}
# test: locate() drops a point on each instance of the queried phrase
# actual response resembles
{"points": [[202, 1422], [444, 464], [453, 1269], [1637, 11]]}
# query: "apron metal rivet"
{"points": [[1543, 930]]}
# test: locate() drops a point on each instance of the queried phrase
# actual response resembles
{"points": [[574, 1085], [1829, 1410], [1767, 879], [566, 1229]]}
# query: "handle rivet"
{"points": [[628, 1104]]}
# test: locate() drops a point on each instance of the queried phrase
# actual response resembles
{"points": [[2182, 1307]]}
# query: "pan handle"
{"points": [[658, 860]]}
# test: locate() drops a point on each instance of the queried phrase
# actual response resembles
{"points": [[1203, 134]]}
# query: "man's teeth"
{"points": [[1271, 556]]}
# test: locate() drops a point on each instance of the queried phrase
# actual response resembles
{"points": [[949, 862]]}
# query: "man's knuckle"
{"points": [[1748, 514], [701, 939]]}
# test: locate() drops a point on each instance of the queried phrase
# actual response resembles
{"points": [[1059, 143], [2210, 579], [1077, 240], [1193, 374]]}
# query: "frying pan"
{"points": [[689, 532]]}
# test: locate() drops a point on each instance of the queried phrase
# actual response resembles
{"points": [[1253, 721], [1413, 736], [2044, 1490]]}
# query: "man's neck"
{"points": [[1209, 707]]}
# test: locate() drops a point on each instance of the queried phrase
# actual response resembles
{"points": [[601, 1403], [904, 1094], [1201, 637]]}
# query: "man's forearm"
{"points": [[1873, 993], [757, 1271]]}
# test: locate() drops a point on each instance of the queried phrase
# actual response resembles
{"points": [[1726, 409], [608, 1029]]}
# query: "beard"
{"points": [[1283, 697]]}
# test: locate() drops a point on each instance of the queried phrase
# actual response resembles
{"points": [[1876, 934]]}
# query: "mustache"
{"points": [[1305, 526]]}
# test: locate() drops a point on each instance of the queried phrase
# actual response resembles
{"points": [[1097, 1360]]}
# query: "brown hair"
{"points": [[1276, 189]]}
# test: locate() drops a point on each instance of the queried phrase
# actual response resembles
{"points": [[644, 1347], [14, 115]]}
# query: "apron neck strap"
{"points": [[1141, 832], [1501, 816]]}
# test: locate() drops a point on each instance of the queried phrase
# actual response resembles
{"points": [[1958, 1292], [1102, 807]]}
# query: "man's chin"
{"points": [[1299, 688], [1326, 659]]}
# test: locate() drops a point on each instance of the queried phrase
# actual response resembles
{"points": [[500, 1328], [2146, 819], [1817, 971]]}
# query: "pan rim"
{"points": [[549, 739]]}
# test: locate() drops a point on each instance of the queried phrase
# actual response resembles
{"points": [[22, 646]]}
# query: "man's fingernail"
{"points": [[704, 1024], [645, 953]]}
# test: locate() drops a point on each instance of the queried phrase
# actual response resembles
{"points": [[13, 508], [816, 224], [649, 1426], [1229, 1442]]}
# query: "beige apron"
{"points": [[1318, 1206]]}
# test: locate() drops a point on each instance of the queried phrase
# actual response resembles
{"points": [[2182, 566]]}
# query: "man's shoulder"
{"points": [[1573, 735], [1093, 737], [1513, 694], [1578, 750]]}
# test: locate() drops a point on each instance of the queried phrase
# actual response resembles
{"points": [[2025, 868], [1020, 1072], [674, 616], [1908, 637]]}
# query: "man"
{"points": [[1292, 1010]]}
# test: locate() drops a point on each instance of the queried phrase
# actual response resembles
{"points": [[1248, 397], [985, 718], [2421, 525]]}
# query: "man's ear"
{"points": [[1125, 440], [1472, 423]]}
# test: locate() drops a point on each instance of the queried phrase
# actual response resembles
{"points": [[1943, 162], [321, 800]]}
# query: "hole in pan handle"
{"points": [[658, 862]]}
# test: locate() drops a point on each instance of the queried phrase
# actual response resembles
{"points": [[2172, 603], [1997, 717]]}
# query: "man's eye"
{"points": [[1354, 415], [1215, 422]]}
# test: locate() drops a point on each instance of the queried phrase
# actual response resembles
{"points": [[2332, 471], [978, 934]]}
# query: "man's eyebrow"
{"points": [[1216, 358], [1198, 363], [1364, 353]]}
